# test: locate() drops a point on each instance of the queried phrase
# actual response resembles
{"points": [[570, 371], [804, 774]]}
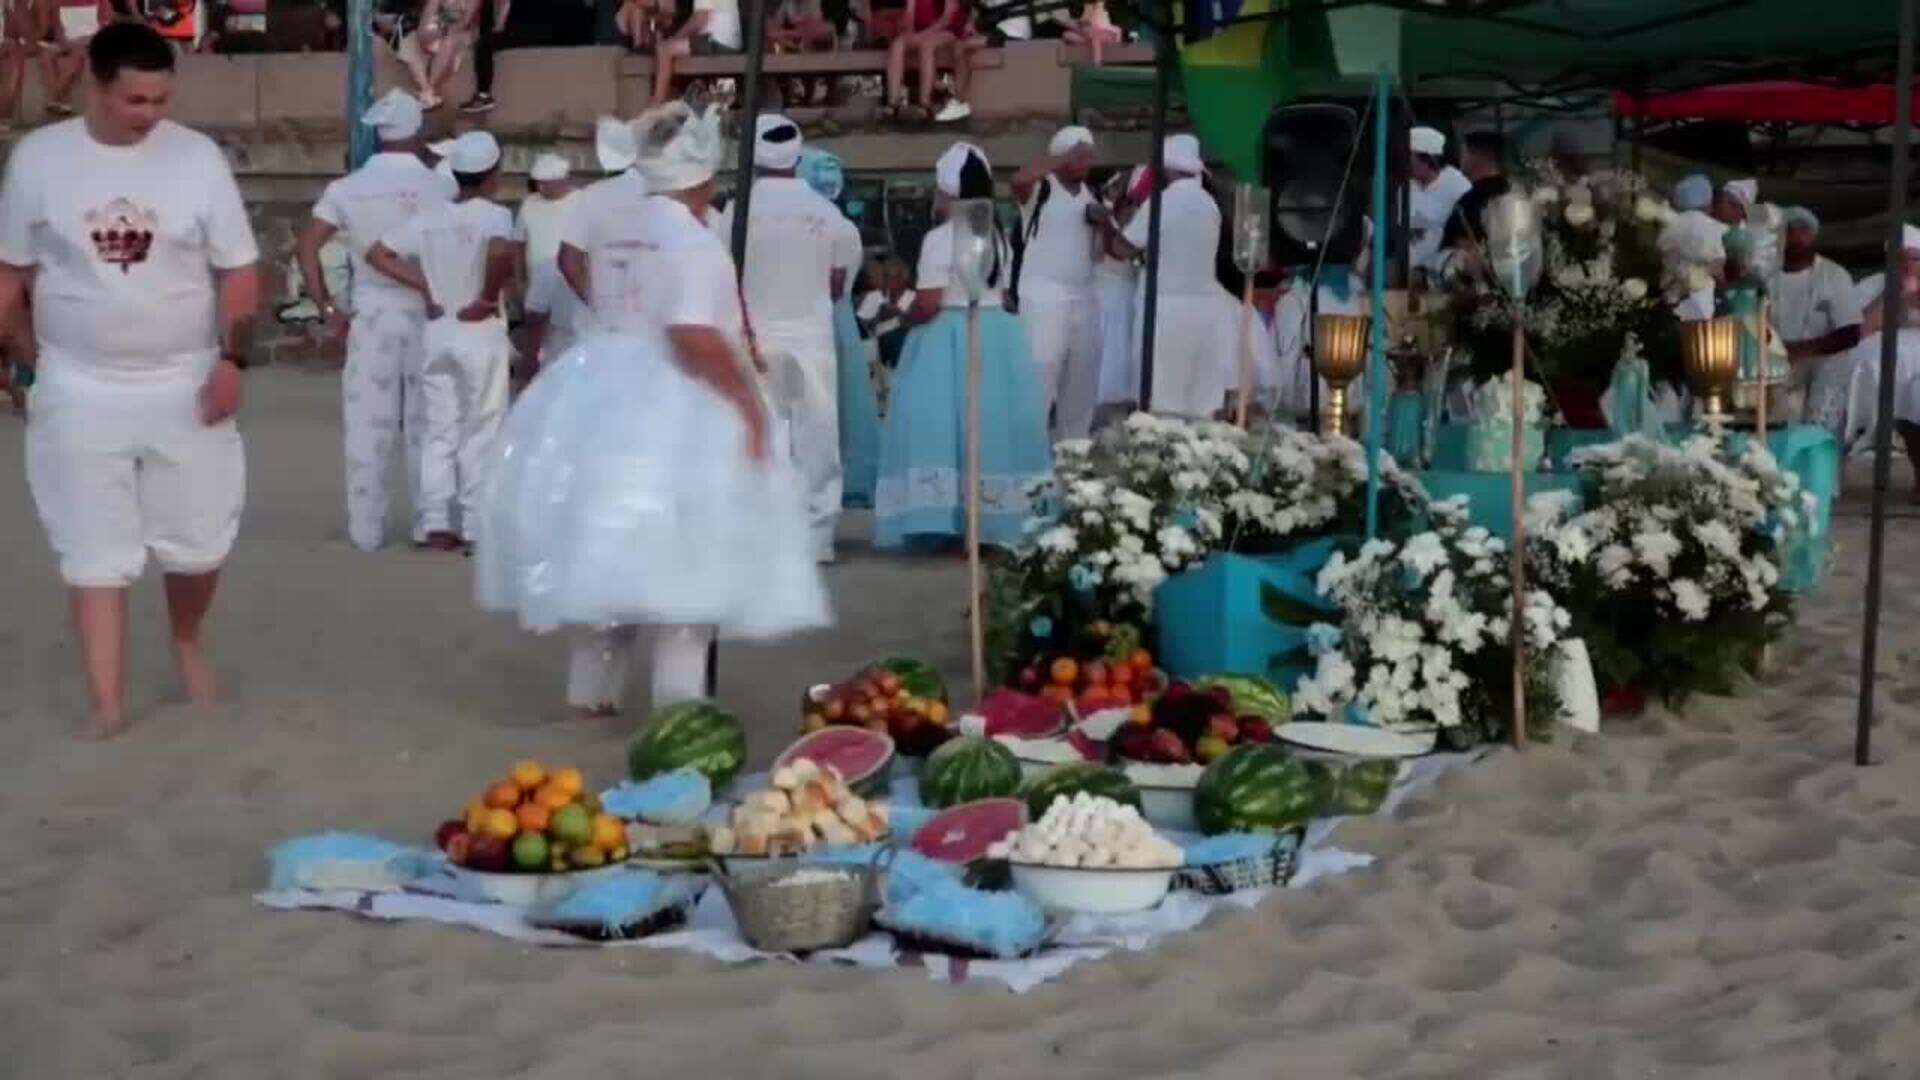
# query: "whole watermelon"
{"points": [[1361, 787], [966, 769], [690, 735], [1071, 780], [918, 676], [1252, 696], [1255, 787]]}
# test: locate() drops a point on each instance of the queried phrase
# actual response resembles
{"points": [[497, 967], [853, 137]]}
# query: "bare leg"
{"points": [[929, 66], [188, 598], [963, 54], [100, 619], [663, 68], [897, 71]]}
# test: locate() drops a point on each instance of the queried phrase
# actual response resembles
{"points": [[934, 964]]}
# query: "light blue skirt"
{"points": [[859, 413], [921, 495]]}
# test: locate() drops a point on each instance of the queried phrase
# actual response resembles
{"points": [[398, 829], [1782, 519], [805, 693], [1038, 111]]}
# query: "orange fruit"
{"points": [[504, 795], [936, 713], [533, 817], [501, 824], [569, 781], [1141, 714], [476, 817], [529, 774], [1065, 672], [608, 833], [1096, 674], [1141, 661], [552, 796]]}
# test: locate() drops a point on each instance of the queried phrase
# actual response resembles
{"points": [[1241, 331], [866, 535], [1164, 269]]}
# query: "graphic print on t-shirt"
{"points": [[122, 233]]}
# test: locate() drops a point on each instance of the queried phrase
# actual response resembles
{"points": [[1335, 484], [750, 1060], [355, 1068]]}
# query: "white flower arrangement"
{"points": [[1425, 634]]}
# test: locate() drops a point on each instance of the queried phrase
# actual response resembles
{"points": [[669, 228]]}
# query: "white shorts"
{"points": [[119, 467]]}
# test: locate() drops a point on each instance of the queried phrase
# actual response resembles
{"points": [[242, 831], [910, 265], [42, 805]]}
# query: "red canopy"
{"points": [[1767, 102]]}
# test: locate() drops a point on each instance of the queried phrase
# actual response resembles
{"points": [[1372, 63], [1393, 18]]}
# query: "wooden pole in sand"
{"points": [[1517, 631], [1246, 354], [1760, 406], [976, 618]]}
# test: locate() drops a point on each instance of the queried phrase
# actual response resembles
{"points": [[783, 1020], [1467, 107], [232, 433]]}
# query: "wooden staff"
{"points": [[1760, 407], [976, 617], [1246, 354], [1517, 631]]}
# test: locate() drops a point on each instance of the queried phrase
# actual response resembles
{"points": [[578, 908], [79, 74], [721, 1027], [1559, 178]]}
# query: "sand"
{"points": [[1719, 894]]}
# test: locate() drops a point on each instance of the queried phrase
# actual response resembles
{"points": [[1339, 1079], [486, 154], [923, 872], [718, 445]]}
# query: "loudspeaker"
{"points": [[1306, 152]]}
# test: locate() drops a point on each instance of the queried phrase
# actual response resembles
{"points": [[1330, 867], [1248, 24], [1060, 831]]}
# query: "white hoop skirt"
{"points": [[621, 493]]}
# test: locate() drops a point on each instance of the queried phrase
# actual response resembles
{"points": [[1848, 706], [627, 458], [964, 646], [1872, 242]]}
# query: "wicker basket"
{"points": [[1273, 867], [778, 917]]}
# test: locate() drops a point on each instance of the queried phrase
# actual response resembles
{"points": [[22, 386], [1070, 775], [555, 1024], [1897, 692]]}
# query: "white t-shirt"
{"points": [[606, 225], [1814, 302], [796, 239], [1428, 209], [1287, 378], [372, 202], [723, 23], [124, 241], [450, 243], [539, 228], [688, 272], [1189, 239], [1058, 261], [936, 268]]}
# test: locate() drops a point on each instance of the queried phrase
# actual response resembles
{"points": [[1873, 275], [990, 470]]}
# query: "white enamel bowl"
{"points": [[1097, 890]]}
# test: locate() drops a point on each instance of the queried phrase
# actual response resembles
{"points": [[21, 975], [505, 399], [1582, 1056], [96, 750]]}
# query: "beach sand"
{"points": [[1719, 894]]}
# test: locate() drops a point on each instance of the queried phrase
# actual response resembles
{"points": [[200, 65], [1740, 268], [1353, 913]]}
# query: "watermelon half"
{"points": [[1023, 716], [864, 759], [690, 735], [962, 834]]}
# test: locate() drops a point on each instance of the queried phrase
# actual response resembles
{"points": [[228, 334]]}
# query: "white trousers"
{"points": [[805, 388], [1119, 374], [122, 466], [381, 416], [602, 665], [463, 390], [1823, 383], [1192, 354], [1065, 337]]}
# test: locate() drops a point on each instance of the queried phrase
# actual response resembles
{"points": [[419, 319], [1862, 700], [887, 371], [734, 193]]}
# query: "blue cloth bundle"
{"points": [[621, 900], [1002, 924], [674, 798]]}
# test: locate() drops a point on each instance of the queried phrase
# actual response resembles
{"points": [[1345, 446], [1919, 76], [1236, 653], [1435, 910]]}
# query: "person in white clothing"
{"points": [[1871, 290], [1193, 353], [598, 244], [1734, 199], [1291, 390], [1436, 187], [459, 257], [380, 388], [555, 315], [1817, 312], [1692, 248], [1061, 219], [799, 249], [129, 232]]}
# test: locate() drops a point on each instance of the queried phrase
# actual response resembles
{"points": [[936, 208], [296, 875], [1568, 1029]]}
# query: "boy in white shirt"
{"points": [[460, 257]]}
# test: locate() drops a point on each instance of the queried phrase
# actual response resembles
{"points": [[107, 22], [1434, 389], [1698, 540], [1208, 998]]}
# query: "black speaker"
{"points": [[1307, 152]]}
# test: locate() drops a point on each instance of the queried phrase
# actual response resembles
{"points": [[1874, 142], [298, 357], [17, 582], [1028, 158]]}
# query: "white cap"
{"points": [[441, 149], [1182, 155], [394, 117], [614, 145], [776, 142], [1746, 191], [548, 167], [474, 153], [1428, 141], [1910, 238], [1067, 138], [947, 170]]}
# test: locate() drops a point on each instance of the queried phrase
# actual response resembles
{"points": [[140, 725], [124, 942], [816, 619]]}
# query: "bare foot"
{"points": [[196, 677], [102, 728]]}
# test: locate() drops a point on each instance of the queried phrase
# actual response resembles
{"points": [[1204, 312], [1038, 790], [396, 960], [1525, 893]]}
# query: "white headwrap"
{"points": [[1693, 193], [1428, 141], [474, 153], [776, 142], [614, 145], [1067, 138], [549, 167], [679, 148], [1182, 155], [1745, 192], [394, 117], [1910, 238], [946, 171], [1801, 217]]}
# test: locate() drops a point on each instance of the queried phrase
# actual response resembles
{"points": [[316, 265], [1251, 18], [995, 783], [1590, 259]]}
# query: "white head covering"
{"points": [[473, 153], [441, 149], [1693, 193], [1426, 140], [394, 117], [614, 145], [549, 167], [946, 171], [1746, 192], [679, 148], [776, 142], [1910, 238], [1183, 155], [1801, 217], [1067, 138]]}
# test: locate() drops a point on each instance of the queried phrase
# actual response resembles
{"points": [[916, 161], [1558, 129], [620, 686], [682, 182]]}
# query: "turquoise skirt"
{"points": [[920, 499], [859, 413]]}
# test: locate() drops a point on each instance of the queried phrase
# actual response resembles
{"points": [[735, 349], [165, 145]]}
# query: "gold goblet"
{"points": [[1711, 348], [1339, 351]]}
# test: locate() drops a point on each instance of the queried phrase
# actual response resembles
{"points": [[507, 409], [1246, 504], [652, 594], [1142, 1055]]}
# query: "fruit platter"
{"points": [[902, 698], [531, 836]]}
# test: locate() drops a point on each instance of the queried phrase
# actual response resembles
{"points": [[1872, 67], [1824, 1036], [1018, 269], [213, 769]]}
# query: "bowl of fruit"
{"points": [[532, 837], [1165, 746], [901, 698], [1092, 685]]}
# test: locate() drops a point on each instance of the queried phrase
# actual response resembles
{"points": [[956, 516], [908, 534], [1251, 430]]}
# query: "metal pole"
{"points": [[1377, 349], [750, 10], [1150, 293], [360, 137], [1889, 352]]}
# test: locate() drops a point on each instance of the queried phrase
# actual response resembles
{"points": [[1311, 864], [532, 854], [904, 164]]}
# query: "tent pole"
{"points": [[1150, 292], [756, 28], [1889, 352], [1377, 348], [360, 137]]}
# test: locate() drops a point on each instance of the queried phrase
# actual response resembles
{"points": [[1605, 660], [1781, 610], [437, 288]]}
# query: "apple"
{"points": [[447, 831], [1134, 741], [1254, 729], [1030, 678], [1168, 749], [1224, 728], [1221, 698], [459, 848], [489, 854]]}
